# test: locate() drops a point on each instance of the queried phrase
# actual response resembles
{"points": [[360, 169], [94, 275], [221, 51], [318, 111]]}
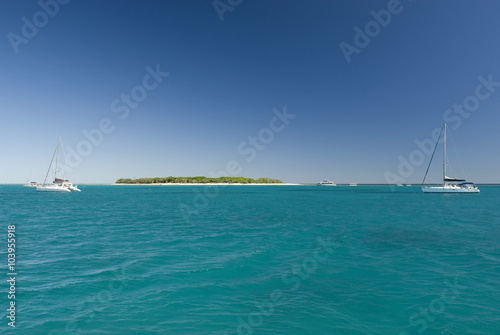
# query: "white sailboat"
{"points": [[59, 184], [30, 184], [450, 185]]}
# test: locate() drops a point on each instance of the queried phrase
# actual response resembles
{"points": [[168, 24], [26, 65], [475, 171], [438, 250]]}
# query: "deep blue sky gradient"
{"points": [[353, 120]]}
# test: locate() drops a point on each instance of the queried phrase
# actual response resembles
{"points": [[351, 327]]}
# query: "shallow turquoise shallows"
{"points": [[252, 260]]}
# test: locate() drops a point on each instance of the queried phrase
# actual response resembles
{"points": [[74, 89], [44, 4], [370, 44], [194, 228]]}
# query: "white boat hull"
{"points": [[52, 189], [74, 189], [441, 189]]}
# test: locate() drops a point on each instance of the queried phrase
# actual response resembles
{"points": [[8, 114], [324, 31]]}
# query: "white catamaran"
{"points": [[59, 184], [450, 185]]}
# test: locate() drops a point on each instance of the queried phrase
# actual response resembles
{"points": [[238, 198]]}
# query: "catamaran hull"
{"points": [[52, 189], [449, 190]]}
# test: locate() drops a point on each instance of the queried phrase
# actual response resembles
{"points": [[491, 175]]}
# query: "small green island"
{"points": [[198, 180]]}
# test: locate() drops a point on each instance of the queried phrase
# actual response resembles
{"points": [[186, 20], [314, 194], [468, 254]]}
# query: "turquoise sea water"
{"points": [[252, 260]]}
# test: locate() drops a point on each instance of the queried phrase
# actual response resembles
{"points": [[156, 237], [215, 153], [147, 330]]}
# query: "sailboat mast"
{"points": [[444, 156], [57, 157], [29, 177], [430, 162], [52, 161]]}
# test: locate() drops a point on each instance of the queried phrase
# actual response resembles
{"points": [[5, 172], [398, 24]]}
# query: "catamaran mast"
{"points": [[57, 157], [48, 171], [444, 156]]}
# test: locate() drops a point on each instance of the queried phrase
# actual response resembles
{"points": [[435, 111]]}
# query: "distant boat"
{"points": [[450, 185], [353, 184], [59, 184], [326, 182], [30, 184]]}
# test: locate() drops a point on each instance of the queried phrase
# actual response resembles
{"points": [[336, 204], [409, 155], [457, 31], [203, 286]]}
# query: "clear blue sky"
{"points": [[353, 120]]}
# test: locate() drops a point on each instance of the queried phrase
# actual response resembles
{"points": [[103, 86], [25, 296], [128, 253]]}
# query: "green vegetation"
{"points": [[199, 180]]}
